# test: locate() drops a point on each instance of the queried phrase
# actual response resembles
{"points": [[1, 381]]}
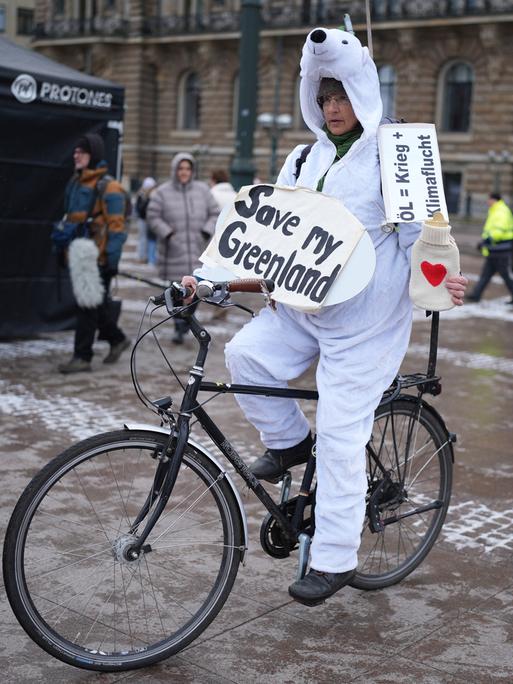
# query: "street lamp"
{"points": [[243, 167], [497, 160], [274, 125], [198, 151]]}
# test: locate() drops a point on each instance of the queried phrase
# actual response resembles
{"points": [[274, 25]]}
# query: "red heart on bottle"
{"points": [[433, 273]]}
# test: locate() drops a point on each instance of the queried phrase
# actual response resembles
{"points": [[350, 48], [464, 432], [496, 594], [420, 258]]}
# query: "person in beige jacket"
{"points": [[182, 212]]}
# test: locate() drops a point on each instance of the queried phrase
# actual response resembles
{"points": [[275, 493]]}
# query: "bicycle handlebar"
{"points": [[206, 288], [176, 293]]}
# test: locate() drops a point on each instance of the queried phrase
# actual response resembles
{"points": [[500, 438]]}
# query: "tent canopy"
{"points": [[44, 108], [15, 59]]}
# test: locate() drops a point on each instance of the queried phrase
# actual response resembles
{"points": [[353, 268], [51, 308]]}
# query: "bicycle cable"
{"points": [[142, 396]]}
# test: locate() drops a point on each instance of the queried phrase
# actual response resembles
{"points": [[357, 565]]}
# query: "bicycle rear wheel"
{"points": [[66, 570], [412, 445]]}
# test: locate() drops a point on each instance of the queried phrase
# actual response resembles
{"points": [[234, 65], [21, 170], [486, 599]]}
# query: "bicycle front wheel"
{"points": [[67, 570], [410, 444]]}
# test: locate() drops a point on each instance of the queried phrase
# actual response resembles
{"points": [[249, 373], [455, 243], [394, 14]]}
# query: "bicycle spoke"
{"points": [[89, 598], [407, 441]]}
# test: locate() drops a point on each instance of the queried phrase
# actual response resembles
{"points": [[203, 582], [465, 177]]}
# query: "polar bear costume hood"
{"points": [[334, 53]]}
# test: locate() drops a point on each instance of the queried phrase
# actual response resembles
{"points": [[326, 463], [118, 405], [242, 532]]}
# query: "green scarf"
{"points": [[342, 143]]}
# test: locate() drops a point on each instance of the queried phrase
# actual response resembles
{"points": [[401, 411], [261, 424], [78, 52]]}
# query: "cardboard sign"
{"points": [[298, 238], [411, 174]]}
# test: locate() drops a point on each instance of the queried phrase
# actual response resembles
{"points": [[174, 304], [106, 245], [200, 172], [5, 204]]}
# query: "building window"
{"points": [[456, 93], [452, 187], [59, 6], [189, 102], [25, 22], [387, 80], [2, 18], [298, 123], [235, 102]]}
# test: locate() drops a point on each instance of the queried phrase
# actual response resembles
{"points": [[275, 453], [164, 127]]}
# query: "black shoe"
{"points": [[271, 466], [510, 301], [74, 365], [316, 586], [177, 337], [116, 350], [472, 298]]}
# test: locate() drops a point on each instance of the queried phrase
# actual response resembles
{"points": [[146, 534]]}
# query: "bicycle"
{"points": [[124, 547]]}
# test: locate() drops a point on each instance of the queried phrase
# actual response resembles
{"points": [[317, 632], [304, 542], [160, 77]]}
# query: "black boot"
{"points": [[275, 462], [316, 586], [181, 329]]}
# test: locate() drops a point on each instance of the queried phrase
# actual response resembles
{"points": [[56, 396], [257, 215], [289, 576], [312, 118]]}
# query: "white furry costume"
{"points": [[360, 342]]}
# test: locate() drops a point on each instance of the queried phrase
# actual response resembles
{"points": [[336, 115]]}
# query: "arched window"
{"points": [[189, 102], [235, 102], [456, 94], [387, 80], [297, 118]]}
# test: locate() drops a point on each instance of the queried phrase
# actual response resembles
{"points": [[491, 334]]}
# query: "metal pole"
{"points": [[276, 108], [274, 145], [369, 29], [243, 167], [497, 179]]}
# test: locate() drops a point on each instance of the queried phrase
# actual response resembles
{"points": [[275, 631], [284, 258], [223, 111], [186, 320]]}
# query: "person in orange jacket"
{"points": [[95, 208]]}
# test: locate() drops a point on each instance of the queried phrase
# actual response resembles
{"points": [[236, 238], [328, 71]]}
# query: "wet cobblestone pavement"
{"points": [[449, 621]]}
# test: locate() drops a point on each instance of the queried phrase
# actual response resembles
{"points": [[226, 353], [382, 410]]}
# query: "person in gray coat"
{"points": [[182, 213]]}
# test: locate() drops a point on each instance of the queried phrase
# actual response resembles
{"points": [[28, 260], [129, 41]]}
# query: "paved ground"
{"points": [[450, 621]]}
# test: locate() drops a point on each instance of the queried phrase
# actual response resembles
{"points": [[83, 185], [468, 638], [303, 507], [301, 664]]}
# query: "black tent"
{"points": [[44, 108]]}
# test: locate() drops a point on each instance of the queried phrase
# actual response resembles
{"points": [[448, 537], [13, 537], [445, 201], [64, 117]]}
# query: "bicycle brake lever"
{"points": [[244, 308]]}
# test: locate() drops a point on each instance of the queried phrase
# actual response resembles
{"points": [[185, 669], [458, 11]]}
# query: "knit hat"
{"points": [[93, 144], [327, 87], [148, 183]]}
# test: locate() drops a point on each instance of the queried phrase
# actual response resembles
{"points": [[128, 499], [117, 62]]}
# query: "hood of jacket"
{"points": [[90, 176], [175, 162], [334, 53]]}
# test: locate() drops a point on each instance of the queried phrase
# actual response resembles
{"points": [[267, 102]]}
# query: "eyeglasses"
{"points": [[339, 100]]}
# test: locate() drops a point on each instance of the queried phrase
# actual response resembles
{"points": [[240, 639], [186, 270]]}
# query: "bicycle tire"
{"points": [[387, 557], [67, 580]]}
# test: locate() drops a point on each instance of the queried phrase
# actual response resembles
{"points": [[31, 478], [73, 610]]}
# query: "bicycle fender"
{"points": [[451, 436], [165, 431]]}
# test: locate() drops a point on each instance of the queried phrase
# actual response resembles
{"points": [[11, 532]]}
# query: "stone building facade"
{"points": [[17, 20], [443, 61]]}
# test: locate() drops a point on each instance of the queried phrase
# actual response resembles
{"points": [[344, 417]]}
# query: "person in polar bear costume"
{"points": [[360, 343]]}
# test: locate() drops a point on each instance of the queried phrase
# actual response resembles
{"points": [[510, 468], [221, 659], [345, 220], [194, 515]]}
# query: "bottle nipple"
{"points": [[437, 220]]}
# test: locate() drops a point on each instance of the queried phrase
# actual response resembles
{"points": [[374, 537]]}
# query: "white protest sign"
{"points": [[411, 174], [299, 238]]}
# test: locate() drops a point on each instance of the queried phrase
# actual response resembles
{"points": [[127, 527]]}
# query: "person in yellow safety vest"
{"points": [[496, 245]]}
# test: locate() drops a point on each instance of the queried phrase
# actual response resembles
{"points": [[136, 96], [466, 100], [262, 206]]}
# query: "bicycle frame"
{"points": [[167, 471]]}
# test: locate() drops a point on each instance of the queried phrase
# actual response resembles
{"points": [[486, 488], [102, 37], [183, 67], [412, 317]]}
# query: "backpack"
{"points": [[306, 150], [141, 205], [101, 186]]}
